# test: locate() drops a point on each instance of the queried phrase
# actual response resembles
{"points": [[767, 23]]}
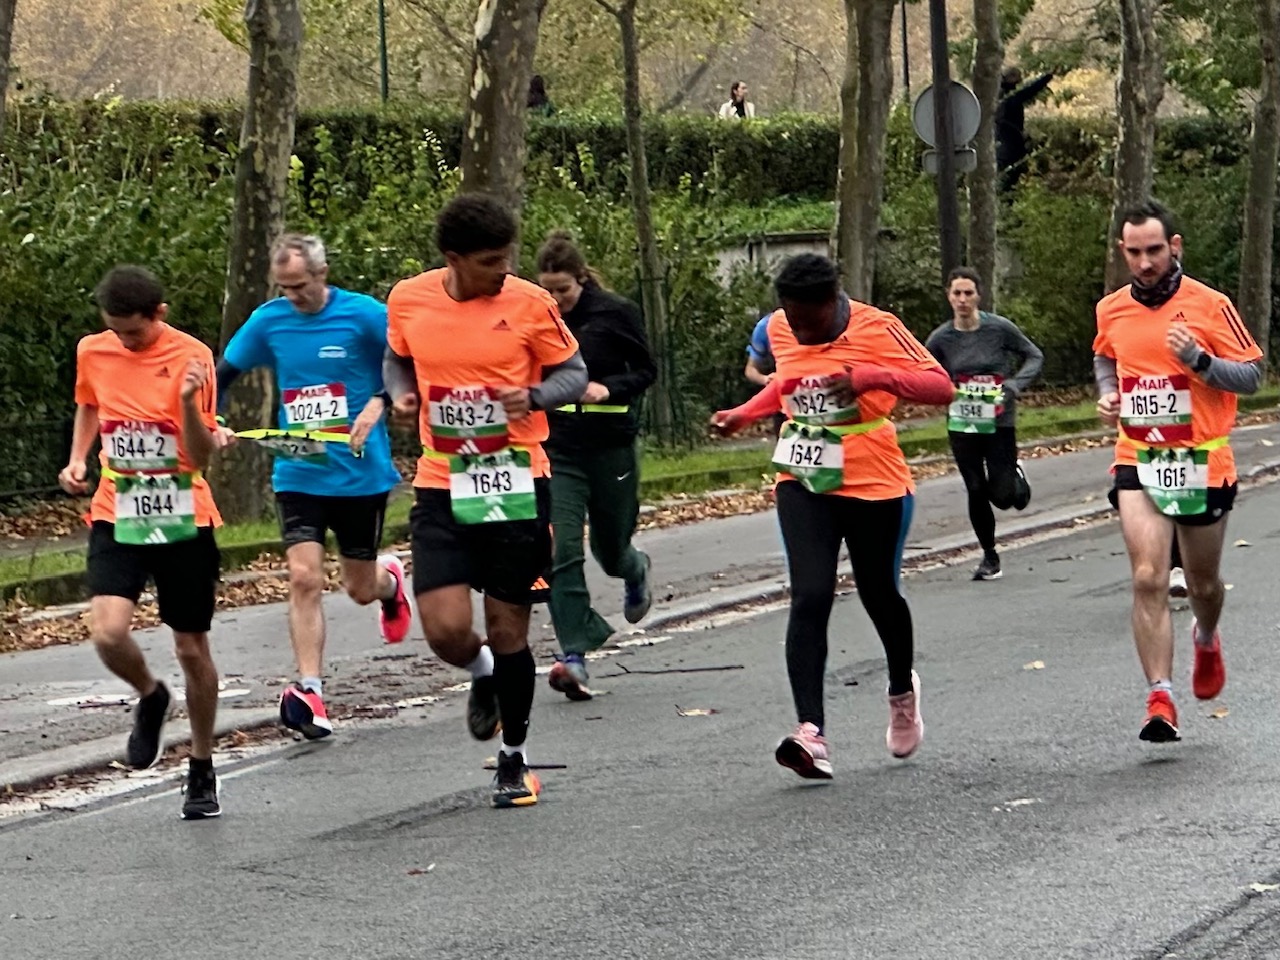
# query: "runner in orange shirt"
{"points": [[482, 355], [1169, 358], [147, 391], [841, 368]]}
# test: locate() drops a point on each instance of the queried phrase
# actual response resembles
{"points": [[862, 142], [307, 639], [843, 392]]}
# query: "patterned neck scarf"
{"points": [[1160, 292]]}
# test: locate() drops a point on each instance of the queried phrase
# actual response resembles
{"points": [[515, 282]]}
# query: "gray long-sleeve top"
{"points": [[996, 347]]}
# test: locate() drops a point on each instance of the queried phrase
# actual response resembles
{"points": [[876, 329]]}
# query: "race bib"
{"points": [[154, 508], [466, 420], [133, 445], [978, 402], [319, 407], [1156, 409], [1176, 478], [811, 454], [821, 400], [492, 488], [299, 448]]}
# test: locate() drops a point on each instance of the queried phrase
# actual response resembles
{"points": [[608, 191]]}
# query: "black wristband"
{"points": [[386, 400], [1203, 362]]}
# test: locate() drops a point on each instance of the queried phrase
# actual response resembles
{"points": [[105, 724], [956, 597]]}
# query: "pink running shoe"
{"points": [[396, 616], [906, 729], [1208, 671], [805, 752], [304, 711]]}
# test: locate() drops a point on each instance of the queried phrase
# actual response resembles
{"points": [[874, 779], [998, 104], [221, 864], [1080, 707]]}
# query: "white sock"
{"points": [[513, 751], [482, 665], [1164, 685], [313, 685]]}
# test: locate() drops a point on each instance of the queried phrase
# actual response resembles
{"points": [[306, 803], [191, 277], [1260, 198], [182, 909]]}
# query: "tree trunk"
{"points": [[6, 47], [865, 99], [493, 147], [262, 175], [983, 200], [1256, 250], [1139, 90], [652, 295]]}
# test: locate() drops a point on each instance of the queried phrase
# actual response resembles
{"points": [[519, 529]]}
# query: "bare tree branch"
{"points": [[794, 45], [438, 20]]}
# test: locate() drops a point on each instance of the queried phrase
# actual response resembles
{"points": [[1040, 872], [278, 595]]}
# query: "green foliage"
{"points": [[84, 187]]}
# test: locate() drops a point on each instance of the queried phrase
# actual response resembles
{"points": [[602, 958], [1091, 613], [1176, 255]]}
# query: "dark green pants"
{"points": [[601, 486]]}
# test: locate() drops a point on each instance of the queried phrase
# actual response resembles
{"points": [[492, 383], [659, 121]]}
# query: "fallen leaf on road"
{"points": [[1034, 665], [420, 871], [1228, 586], [1264, 441], [1242, 543], [1264, 887], [694, 711], [1219, 714]]}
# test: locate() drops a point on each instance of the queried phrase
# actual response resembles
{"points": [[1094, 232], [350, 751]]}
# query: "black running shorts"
{"points": [[1220, 499], [185, 574], [502, 560], [356, 522]]}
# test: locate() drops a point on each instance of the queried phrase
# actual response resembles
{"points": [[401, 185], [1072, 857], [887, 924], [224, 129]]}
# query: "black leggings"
{"points": [[988, 465], [813, 526]]}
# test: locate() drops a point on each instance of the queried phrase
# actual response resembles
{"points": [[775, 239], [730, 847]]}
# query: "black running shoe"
{"points": [[988, 569], [483, 719], [1023, 496], [201, 795], [515, 785], [146, 742]]}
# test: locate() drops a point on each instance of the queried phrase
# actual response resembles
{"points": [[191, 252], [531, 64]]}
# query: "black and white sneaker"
{"points": [[1023, 496], [146, 742], [200, 800], [988, 569]]}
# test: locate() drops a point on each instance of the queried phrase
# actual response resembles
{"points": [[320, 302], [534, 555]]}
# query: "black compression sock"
{"points": [[514, 676]]}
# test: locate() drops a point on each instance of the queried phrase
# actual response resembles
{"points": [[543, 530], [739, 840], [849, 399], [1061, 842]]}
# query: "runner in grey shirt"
{"points": [[991, 362]]}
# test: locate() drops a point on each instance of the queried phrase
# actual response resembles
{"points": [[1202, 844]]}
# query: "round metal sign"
{"points": [[966, 114]]}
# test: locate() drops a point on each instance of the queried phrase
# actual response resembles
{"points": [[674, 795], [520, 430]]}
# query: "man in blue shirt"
{"points": [[325, 346], [759, 369]]}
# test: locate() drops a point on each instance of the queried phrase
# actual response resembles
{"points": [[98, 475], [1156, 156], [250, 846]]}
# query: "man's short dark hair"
{"points": [[127, 290], [965, 273], [807, 278], [473, 222], [1140, 213]]}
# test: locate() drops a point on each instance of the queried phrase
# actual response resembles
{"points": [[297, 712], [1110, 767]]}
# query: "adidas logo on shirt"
{"points": [[495, 514], [164, 372], [502, 325]]}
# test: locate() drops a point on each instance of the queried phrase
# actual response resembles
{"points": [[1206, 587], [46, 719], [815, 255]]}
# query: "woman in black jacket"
{"points": [[594, 468]]}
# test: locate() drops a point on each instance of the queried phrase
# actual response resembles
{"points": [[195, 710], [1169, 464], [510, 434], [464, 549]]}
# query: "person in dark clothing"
{"points": [[538, 102], [1010, 124], [991, 362], [594, 469]]}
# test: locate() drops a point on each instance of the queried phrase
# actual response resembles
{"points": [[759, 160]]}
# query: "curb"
{"points": [[94, 754]]}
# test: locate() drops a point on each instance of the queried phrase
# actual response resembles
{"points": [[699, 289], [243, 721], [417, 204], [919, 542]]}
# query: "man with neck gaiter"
{"points": [[1170, 356]]}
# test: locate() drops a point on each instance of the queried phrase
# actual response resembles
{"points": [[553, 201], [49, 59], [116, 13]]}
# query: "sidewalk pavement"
{"points": [[60, 710]]}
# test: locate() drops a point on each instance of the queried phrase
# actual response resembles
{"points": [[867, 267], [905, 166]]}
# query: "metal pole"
{"points": [[382, 45], [948, 199], [906, 61]]}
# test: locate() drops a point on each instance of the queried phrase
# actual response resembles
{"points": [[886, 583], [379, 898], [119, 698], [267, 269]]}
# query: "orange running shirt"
{"points": [[500, 341], [874, 467], [1134, 336], [144, 386]]}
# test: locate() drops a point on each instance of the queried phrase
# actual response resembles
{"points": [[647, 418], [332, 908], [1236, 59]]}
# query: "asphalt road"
{"points": [[1033, 824], [693, 565]]}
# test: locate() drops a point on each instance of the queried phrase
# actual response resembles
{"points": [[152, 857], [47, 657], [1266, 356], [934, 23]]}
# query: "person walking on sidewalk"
{"points": [[842, 366], [324, 345], [595, 473], [991, 363], [1170, 356], [483, 356], [147, 392]]}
